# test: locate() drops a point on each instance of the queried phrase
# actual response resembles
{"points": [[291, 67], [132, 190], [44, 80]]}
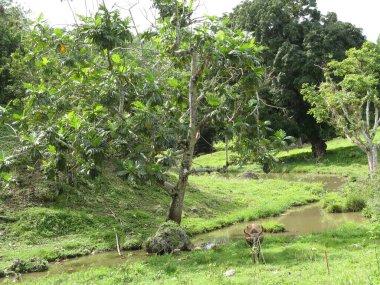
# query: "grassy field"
{"points": [[289, 260], [342, 158]]}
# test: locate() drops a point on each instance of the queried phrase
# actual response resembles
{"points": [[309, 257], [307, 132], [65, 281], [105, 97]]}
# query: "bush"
{"points": [[333, 203], [354, 203], [32, 265], [132, 243], [372, 209], [335, 208], [273, 227]]}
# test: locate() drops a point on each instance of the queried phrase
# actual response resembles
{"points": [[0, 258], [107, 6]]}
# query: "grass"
{"points": [[289, 260], [243, 200], [273, 227], [342, 158], [81, 221]]}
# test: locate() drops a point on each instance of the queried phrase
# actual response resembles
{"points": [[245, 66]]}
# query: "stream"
{"points": [[298, 221]]}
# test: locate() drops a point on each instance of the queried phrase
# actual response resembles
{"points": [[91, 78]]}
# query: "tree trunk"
{"points": [[372, 160], [226, 147], [178, 195], [318, 147]]}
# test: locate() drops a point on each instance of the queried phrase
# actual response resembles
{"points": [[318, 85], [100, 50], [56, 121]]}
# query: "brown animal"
{"points": [[254, 236]]}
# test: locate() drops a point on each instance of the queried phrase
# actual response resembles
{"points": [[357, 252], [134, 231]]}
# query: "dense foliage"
{"points": [[300, 41], [349, 98], [12, 21]]}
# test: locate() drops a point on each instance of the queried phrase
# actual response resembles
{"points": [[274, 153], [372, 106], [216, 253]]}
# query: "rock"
{"points": [[176, 251], [249, 175], [159, 210], [168, 237], [32, 265], [194, 209], [229, 273], [197, 248], [132, 243]]}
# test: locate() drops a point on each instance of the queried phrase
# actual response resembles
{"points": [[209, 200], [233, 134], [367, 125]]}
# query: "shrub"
{"points": [[273, 227], [132, 243], [333, 202], [335, 208], [32, 265], [354, 203]]}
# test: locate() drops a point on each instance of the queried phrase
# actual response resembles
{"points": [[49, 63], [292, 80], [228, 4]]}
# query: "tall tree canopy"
{"points": [[300, 41], [11, 24], [349, 99]]}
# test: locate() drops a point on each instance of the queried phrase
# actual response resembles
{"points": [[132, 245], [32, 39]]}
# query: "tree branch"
{"points": [[208, 170], [367, 113], [167, 185], [376, 122]]}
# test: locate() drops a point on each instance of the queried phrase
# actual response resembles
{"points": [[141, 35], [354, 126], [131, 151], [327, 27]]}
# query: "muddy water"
{"points": [[297, 221], [329, 182], [85, 262]]}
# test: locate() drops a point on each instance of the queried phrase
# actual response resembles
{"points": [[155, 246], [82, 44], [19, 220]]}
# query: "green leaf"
{"points": [[45, 61], [27, 138], [116, 58], [16, 116], [213, 101], [98, 21], [58, 32], [172, 82], [6, 176], [245, 46], [252, 102], [98, 108], [138, 105], [51, 149], [220, 36], [74, 120]]}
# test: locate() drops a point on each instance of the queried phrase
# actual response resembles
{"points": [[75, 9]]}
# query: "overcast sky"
{"points": [[362, 13]]}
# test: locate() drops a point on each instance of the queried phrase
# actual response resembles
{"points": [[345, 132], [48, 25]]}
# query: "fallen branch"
{"points": [[167, 185], [8, 219], [327, 263], [117, 242], [209, 170]]}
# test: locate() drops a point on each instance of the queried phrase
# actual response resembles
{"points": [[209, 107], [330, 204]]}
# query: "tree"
{"points": [[95, 96], [349, 99], [11, 25], [300, 41], [86, 99], [210, 59]]}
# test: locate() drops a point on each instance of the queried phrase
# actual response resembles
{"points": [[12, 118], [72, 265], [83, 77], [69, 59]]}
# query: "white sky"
{"points": [[362, 13]]}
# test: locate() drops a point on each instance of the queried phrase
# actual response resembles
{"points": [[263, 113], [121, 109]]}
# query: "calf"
{"points": [[254, 236]]}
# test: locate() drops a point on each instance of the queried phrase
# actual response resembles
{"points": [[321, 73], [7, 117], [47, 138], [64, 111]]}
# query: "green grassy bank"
{"points": [[289, 260]]}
